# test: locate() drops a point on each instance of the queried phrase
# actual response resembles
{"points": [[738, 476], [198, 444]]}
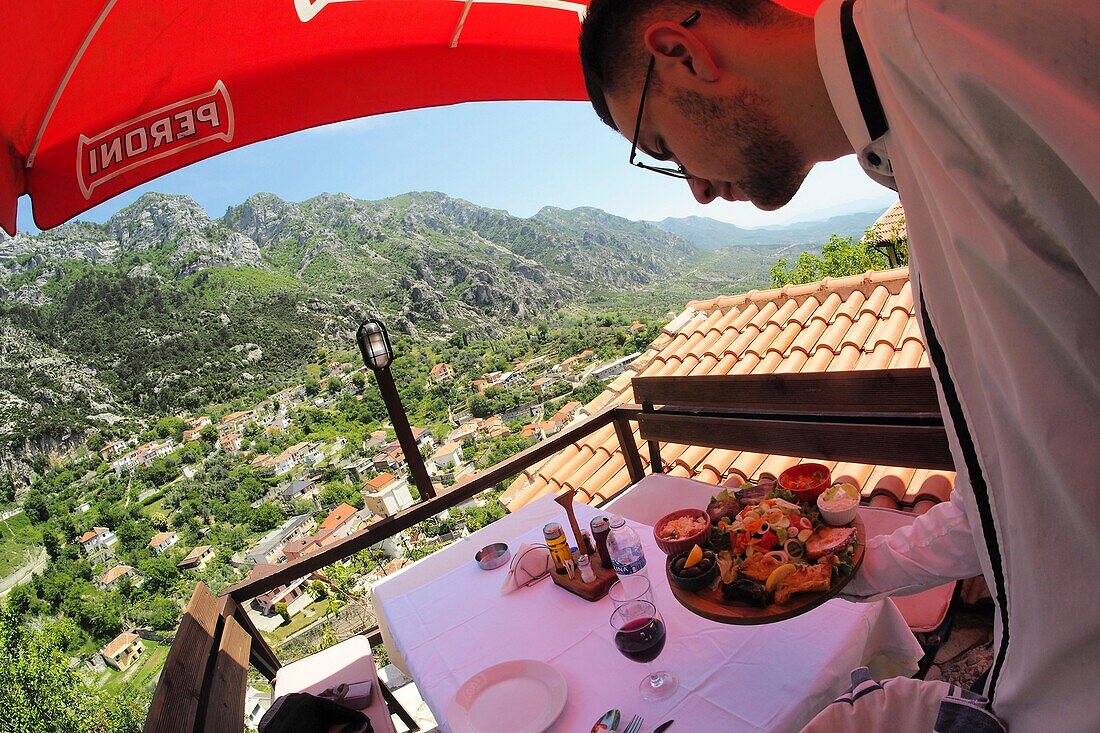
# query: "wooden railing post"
{"points": [[656, 464], [629, 448]]}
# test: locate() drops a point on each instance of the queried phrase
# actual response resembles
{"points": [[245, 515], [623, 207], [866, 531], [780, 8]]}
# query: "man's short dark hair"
{"points": [[612, 54]]}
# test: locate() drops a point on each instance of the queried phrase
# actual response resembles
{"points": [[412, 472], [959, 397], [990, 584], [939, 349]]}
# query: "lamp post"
{"points": [[374, 344]]}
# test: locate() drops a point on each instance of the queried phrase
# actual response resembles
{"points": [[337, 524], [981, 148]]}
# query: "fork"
{"points": [[635, 725]]}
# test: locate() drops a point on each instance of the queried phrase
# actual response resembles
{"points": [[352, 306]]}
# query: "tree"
{"points": [[281, 609], [209, 434], [34, 506], [312, 388], [840, 256], [42, 693], [266, 516]]}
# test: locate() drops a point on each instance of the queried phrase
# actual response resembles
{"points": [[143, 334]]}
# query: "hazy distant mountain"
{"points": [[710, 234]]}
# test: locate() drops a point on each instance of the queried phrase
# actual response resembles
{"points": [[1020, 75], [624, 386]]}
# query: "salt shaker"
{"points": [[588, 575]]}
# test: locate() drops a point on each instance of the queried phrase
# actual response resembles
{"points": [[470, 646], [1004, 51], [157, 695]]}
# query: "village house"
{"points": [[479, 385], [541, 384], [112, 449], [300, 487], [84, 508], [386, 495], [197, 558], [199, 422], [440, 373], [390, 458], [465, 431], [611, 368], [115, 574], [144, 455], [293, 594], [424, 439], [359, 469], [561, 418], [290, 395], [256, 704], [270, 549], [230, 442], [494, 427], [192, 434], [376, 439], [568, 364], [162, 541], [636, 326], [445, 459], [123, 651], [97, 538], [234, 420], [289, 458], [341, 521]]}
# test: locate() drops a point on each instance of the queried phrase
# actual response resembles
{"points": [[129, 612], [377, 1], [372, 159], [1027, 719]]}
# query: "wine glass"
{"points": [[640, 636]]}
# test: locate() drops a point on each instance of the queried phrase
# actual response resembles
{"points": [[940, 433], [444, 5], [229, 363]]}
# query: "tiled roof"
{"points": [[119, 643], [115, 573], [381, 481], [838, 324], [194, 555], [890, 227], [338, 516], [160, 538]]}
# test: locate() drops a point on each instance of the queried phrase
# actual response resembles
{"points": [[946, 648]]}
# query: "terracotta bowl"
{"points": [[806, 470], [675, 547]]}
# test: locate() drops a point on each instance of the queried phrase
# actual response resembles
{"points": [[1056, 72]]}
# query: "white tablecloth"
{"points": [[446, 620]]}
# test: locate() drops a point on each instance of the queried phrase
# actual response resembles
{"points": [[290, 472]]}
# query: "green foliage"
{"points": [[840, 256], [281, 609], [337, 492], [265, 517], [42, 693]]}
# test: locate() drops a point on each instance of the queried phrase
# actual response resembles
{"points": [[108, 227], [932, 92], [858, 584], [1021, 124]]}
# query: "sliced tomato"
{"points": [[767, 542]]}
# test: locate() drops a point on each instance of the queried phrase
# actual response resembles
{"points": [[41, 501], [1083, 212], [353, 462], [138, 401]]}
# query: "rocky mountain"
{"points": [[164, 308], [709, 234]]}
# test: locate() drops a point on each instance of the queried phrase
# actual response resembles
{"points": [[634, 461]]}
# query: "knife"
{"points": [[663, 726]]}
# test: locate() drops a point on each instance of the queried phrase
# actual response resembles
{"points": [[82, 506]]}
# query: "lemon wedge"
{"points": [[693, 557], [777, 575]]}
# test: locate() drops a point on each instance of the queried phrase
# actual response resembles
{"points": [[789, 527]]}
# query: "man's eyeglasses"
{"points": [[678, 171]]}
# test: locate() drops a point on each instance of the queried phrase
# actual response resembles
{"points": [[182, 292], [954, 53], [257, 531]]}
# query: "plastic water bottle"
{"points": [[625, 548]]}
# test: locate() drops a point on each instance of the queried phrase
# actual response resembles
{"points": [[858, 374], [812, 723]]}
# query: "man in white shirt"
{"points": [[983, 116]]}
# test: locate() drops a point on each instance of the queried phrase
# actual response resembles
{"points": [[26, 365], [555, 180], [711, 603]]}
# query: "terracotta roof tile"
{"points": [[850, 307], [860, 330], [857, 322]]}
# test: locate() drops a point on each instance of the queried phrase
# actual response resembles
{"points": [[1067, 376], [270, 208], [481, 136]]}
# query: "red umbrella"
{"points": [[103, 95]]}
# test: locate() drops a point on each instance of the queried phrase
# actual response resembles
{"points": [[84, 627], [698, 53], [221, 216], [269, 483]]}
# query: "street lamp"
{"points": [[374, 344]]}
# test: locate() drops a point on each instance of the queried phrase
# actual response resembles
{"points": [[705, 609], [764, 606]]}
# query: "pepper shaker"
{"points": [[601, 527]]}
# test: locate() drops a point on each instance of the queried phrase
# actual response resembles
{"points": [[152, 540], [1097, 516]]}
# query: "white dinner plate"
{"points": [[519, 696]]}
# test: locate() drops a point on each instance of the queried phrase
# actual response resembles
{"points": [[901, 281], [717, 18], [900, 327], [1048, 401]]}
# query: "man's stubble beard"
{"points": [[771, 167]]}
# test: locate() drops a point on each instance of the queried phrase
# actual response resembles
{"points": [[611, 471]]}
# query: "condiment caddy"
{"points": [[568, 575]]}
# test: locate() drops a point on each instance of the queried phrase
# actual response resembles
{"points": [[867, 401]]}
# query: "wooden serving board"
{"points": [[709, 603], [605, 578]]}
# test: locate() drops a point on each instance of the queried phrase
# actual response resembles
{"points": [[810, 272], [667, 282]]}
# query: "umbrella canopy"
{"points": [[103, 95]]}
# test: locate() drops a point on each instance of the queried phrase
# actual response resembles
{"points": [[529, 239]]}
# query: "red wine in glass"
{"points": [[640, 636], [641, 639]]}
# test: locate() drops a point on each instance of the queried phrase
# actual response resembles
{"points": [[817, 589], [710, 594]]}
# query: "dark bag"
{"points": [[300, 712]]}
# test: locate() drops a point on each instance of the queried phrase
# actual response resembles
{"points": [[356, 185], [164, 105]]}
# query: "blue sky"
{"points": [[517, 156]]}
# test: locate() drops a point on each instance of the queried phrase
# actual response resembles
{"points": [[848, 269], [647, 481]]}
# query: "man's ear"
{"points": [[680, 51]]}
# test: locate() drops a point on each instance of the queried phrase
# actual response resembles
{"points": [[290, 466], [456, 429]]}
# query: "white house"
{"points": [[162, 541], [447, 458], [256, 704], [386, 494], [97, 538]]}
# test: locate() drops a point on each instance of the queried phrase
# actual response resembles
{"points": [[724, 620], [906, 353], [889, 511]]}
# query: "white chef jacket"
{"points": [[993, 114]]}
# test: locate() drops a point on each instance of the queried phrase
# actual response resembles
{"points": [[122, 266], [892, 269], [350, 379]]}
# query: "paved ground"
{"points": [[23, 574], [968, 653]]}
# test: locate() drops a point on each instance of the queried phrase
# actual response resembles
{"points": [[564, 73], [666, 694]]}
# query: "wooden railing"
{"points": [[888, 417]]}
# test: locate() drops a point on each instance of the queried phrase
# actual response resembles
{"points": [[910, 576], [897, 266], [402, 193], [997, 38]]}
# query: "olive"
{"points": [[705, 565], [678, 564], [692, 572]]}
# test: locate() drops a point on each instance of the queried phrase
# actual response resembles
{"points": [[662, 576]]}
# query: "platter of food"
{"points": [[767, 557]]}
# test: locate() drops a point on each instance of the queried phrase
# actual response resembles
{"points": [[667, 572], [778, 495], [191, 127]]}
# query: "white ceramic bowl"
{"points": [[839, 516]]}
